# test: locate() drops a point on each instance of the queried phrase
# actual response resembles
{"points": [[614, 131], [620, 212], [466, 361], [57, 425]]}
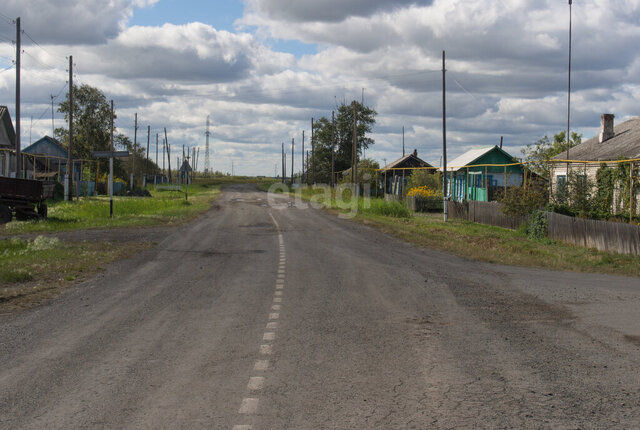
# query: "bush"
{"points": [[425, 178], [537, 228], [522, 201], [393, 209]]}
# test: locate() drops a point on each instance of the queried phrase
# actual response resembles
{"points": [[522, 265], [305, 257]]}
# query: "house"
{"points": [[50, 159], [479, 173], [613, 142], [396, 174], [7, 144]]}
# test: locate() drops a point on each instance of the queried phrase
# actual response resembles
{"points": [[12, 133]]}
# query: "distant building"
{"points": [[396, 174], [51, 159], [185, 172], [479, 173]]}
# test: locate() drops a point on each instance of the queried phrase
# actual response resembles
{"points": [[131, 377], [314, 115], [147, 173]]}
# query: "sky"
{"points": [[261, 69]]}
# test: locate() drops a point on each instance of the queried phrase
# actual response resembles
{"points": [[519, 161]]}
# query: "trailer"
{"points": [[25, 198]]}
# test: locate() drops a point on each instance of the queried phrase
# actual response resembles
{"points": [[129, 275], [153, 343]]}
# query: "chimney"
{"points": [[415, 152], [606, 128]]}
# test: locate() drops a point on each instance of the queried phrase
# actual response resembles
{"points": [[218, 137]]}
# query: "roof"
{"points": [[624, 144], [471, 156], [47, 146], [7, 132], [407, 161]]}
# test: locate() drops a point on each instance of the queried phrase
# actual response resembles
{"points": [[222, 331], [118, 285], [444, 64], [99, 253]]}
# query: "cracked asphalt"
{"points": [[371, 333]]}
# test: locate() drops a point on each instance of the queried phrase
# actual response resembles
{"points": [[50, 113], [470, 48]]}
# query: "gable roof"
{"points": [[624, 143], [406, 161], [185, 166], [47, 146], [470, 157], [7, 132]]}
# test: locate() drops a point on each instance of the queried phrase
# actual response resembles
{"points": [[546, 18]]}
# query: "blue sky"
{"points": [[220, 14]]}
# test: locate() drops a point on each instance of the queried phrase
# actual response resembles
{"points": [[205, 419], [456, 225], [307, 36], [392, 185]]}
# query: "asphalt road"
{"points": [[278, 317]]}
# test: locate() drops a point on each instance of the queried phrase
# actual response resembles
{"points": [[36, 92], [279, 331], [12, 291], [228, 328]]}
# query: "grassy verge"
{"points": [[481, 242], [32, 271], [163, 208]]}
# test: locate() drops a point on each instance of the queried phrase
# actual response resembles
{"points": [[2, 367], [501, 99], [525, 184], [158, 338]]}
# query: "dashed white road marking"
{"points": [[261, 365], [277, 300], [256, 383], [279, 281], [272, 325], [241, 427], [278, 293], [249, 406], [276, 307], [266, 349], [269, 336]]}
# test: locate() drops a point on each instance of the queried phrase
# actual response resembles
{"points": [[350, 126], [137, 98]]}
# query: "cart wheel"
{"points": [[42, 210], [5, 214]]}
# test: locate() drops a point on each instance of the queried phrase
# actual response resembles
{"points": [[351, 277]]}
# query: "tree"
{"points": [[537, 153], [343, 135]]}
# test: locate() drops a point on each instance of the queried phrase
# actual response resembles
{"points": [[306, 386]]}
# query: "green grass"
{"points": [[32, 271], [481, 242], [163, 208]]}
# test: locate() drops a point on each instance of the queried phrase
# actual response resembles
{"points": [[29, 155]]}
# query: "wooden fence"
{"points": [[601, 235], [483, 213]]}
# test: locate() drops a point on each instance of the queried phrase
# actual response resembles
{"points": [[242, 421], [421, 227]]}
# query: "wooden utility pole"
{"points": [[292, 144], [110, 185], [302, 159], [403, 140], [444, 138], [133, 165], [18, 148], [282, 160], [354, 148], [69, 156], [333, 146], [313, 156], [166, 142], [146, 166]]}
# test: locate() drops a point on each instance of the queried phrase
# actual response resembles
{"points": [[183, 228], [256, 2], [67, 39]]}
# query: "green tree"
{"points": [[537, 153], [343, 136]]}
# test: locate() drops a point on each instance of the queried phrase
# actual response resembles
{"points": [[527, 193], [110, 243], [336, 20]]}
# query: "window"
{"points": [[561, 180]]}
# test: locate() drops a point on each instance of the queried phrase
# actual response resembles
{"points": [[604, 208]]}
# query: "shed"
{"points": [[396, 174], [478, 173]]}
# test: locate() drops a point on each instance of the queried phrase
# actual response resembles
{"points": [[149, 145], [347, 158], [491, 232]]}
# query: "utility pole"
{"points": [[133, 165], [155, 177], [164, 155], [207, 166], [111, 168], [569, 94], [53, 126], [18, 148], [70, 149], [354, 148], [302, 159], [403, 140], [146, 166], [333, 146], [292, 153], [444, 138], [166, 141], [283, 166], [313, 156]]}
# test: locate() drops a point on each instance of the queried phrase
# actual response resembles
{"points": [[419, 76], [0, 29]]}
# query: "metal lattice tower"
{"points": [[207, 165]]}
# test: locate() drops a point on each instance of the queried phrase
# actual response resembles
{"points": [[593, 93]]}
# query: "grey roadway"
{"points": [[362, 332]]}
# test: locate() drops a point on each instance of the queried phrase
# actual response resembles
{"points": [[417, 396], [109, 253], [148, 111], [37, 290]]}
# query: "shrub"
{"points": [[522, 201], [537, 228]]}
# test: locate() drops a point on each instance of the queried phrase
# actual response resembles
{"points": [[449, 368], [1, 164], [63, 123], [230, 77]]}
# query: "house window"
{"points": [[561, 180]]}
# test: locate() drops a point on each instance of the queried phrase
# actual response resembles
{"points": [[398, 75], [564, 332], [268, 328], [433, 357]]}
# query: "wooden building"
{"points": [[395, 175]]}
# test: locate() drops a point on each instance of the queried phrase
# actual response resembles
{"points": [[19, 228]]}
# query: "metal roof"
{"points": [[624, 143], [407, 159]]}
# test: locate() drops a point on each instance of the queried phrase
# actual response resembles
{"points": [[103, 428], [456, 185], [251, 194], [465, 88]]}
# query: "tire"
{"points": [[5, 214]]}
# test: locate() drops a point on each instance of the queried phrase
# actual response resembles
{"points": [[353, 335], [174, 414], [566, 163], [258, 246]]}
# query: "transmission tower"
{"points": [[207, 165]]}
